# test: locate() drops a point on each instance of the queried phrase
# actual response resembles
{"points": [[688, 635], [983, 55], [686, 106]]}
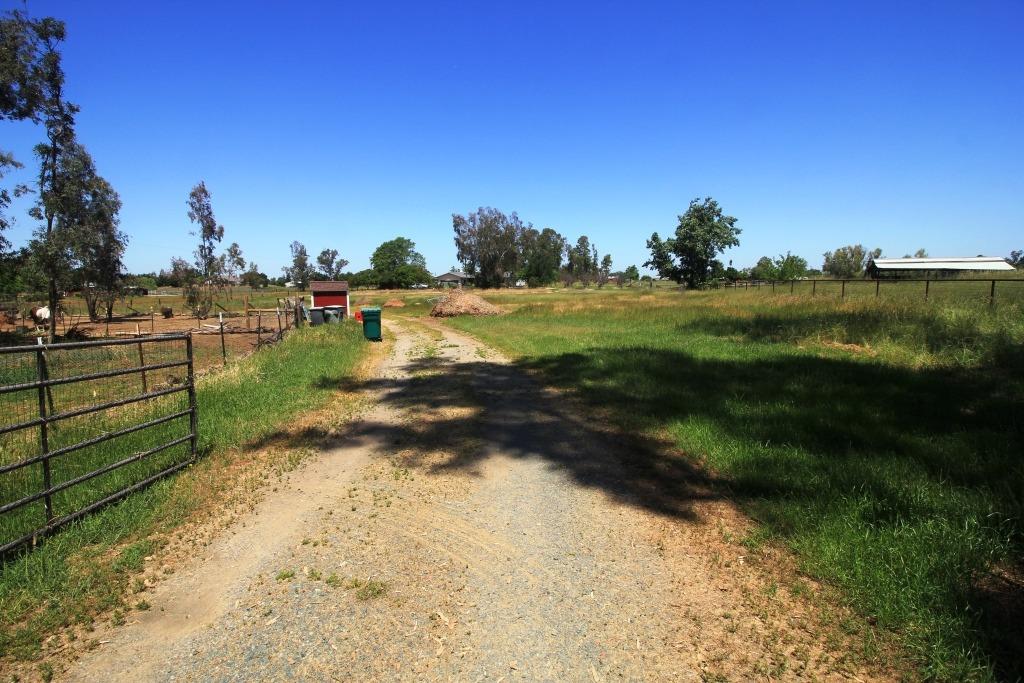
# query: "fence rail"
{"points": [[72, 441], [926, 292]]}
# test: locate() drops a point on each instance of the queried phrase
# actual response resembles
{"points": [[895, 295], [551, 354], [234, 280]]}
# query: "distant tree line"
{"points": [[498, 250]]}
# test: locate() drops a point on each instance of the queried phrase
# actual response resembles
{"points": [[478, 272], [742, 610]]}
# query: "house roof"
{"points": [[328, 286], [452, 275], [949, 263]]}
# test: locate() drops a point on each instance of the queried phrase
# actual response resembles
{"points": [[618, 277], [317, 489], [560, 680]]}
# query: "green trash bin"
{"points": [[371, 323]]}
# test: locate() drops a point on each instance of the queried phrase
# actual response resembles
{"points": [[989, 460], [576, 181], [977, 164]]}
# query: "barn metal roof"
{"points": [[950, 263], [328, 286]]}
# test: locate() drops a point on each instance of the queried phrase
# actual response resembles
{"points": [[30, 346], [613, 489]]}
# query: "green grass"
{"points": [[880, 440], [85, 570]]}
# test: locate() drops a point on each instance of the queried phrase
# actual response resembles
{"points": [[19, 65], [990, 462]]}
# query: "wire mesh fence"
{"points": [[83, 424]]}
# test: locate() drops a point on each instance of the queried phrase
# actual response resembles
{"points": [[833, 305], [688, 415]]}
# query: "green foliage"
{"points": [[201, 281], [631, 274], [397, 264], [764, 269], [581, 260], [331, 264], [790, 267], [254, 278], [704, 231], [200, 212], [784, 267], [541, 257], [848, 261], [300, 271], [488, 244]]}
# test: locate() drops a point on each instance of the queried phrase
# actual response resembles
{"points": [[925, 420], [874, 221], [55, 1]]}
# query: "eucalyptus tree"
{"points": [[207, 279]]}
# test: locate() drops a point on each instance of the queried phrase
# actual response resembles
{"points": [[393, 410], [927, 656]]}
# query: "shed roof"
{"points": [[949, 263], [328, 286]]}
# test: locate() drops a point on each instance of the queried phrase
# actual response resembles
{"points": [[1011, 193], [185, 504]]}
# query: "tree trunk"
{"points": [[52, 301]]}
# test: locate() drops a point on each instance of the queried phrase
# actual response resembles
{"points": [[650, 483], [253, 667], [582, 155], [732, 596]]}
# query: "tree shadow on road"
{"points": [[807, 441]]}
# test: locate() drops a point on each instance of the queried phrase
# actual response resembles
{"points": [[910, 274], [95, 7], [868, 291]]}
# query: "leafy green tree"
{"points": [[581, 260], [232, 262], [330, 264], [364, 278], [1016, 258], [790, 267], [541, 256], [848, 261], [31, 81], [200, 290], [764, 269], [77, 242], [397, 264], [631, 275], [300, 272], [605, 270], [662, 260], [488, 244], [704, 231], [100, 249], [64, 165], [253, 277]]}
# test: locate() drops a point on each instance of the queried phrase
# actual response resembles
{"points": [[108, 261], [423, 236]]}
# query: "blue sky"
{"points": [[816, 124]]}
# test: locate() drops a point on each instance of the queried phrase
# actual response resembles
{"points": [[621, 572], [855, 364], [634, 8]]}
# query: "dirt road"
{"points": [[471, 527]]}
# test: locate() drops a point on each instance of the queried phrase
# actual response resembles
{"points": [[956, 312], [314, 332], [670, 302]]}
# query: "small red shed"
{"points": [[330, 293]]}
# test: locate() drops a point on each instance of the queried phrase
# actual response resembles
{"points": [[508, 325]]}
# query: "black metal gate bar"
{"points": [[107, 436], [84, 378], [48, 416], [61, 521], [14, 505], [94, 343], [194, 414], [77, 412]]}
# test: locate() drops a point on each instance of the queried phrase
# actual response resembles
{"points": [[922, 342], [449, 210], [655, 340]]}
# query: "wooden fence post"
{"points": [[792, 283], [842, 291], [877, 284], [927, 284], [814, 287], [278, 311], [992, 294], [223, 349], [248, 325], [259, 328]]}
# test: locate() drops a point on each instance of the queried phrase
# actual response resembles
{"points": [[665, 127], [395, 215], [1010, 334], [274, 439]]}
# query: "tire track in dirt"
{"points": [[496, 538]]}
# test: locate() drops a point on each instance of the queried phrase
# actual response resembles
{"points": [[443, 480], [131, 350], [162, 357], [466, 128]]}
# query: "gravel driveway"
{"points": [[468, 528]]}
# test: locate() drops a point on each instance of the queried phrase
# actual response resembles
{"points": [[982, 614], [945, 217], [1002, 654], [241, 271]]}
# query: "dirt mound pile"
{"points": [[460, 302], [394, 303]]}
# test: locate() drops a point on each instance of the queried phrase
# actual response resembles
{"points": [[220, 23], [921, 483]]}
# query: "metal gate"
{"points": [[84, 424]]}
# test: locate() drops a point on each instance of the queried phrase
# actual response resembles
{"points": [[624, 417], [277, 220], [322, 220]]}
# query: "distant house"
{"points": [[452, 279], [894, 268], [330, 293]]}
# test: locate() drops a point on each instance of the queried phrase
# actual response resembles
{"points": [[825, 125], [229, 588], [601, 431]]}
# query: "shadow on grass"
{"points": [[917, 467], [929, 329]]}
